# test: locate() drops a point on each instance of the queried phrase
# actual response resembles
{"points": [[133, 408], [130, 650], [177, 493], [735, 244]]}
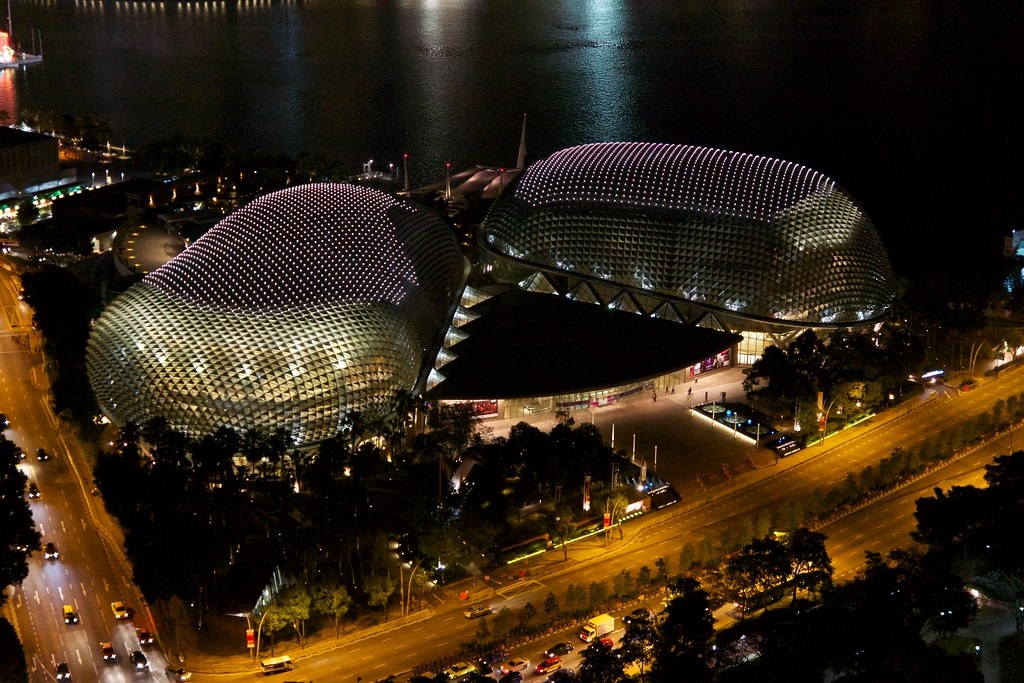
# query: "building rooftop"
{"points": [[531, 344]]}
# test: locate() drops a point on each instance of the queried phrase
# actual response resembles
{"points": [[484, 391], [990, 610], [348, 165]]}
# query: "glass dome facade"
{"points": [[749, 236], [306, 304]]}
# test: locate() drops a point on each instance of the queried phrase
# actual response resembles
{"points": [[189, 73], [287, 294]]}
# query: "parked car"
{"points": [[548, 665], [477, 611], [560, 649]]}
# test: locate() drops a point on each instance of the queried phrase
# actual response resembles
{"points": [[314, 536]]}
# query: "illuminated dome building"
{"points": [[306, 304], [732, 241]]}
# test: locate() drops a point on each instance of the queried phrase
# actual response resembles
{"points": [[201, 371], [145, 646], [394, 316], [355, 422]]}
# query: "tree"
{"points": [[379, 590], [272, 620], [883, 611], [331, 598], [551, 607], [28, 212], [293, 604], [12, 654], [563, 528], [759, 568], [687, 629], [977, 531], [639, 644], [526, 615], [810, 565], [18, 535], [600, 665], [615, 505]]}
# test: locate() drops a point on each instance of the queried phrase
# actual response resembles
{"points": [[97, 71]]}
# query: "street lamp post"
{"points": [[259, 630], [823, 418]]}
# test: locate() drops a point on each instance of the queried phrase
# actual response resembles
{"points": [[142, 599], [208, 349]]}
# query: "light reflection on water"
{"points": [[905, 105]]}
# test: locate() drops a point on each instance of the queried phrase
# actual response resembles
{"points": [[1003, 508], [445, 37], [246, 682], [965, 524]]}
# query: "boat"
{"points": [[10, 56]]}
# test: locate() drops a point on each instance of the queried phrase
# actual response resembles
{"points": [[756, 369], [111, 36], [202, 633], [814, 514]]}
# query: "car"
{"points": [[50, 552], [144, 636], [63, 671], [561, 676], [548, 665], [108, 652], [70, 615], [177, 673], [515, 664], [139, 661], [513, 677], [42, 455], [603, 641], [641, 614], [119, 610], [33, 491], [18, 453], [560, 649], [490, 659], [477, 611], [459, 670]]}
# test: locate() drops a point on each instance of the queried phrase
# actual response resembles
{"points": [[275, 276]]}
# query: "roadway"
{"points": [[705, 512], [92, 570]]}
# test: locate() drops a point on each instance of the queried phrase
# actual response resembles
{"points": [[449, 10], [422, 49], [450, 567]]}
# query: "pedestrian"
{"points": [[689, 392], [705, 397]]}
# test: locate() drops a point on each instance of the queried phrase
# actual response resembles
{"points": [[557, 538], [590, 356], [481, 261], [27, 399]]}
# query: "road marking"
{"points": [[519, 588]]}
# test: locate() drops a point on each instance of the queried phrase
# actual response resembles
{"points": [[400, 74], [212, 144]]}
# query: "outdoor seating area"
{"points": [[738, 417]]}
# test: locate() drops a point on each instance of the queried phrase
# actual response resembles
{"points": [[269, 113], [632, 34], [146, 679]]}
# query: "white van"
{"points": [[275, 665]]}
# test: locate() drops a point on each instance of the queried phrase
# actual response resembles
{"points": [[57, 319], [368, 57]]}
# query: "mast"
{"points": [[10, 26], [521, 161]]}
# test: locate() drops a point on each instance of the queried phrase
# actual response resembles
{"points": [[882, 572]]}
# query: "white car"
{"points": [[177, 673]]}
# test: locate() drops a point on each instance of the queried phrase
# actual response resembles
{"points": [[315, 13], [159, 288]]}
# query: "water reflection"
{"points": [[8, 95]]}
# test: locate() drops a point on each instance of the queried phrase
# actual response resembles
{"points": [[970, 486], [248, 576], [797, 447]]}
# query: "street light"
{"points": [[259, 630], [823, 417]]}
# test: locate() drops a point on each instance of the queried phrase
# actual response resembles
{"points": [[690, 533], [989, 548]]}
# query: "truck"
{"points": [[597, 627]]}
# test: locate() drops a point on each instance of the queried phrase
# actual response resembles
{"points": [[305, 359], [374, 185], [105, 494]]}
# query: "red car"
{"points": [[548, 665]]}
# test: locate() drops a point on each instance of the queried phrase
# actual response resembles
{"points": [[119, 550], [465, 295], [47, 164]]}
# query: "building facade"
{"points": [[306, 304], [748, 244]]}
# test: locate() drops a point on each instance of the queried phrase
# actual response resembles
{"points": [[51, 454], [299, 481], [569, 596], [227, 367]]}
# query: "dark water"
{"points": [[910, 106]]}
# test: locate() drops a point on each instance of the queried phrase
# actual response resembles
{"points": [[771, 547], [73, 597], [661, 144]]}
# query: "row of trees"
{"points": [[876, 627]]}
